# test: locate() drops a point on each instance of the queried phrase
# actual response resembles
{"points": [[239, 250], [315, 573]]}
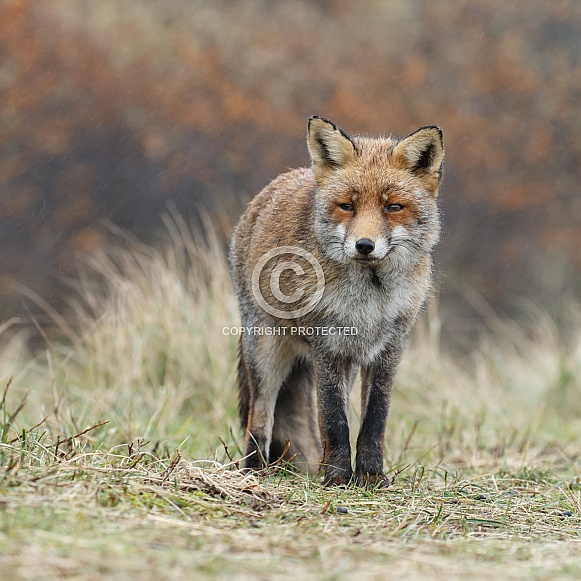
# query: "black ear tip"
{"points": [[430, 128], [320, 118], [311, 119], [434, 127]]}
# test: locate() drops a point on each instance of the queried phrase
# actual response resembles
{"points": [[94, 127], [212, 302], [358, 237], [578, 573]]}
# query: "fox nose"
{"points": [[364, 246]]}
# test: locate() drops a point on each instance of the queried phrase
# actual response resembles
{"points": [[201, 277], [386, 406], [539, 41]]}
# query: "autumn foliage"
{"points": [[109, 110]]}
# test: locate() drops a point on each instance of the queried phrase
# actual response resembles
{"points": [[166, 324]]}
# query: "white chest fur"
{"points": [[368, 303]]}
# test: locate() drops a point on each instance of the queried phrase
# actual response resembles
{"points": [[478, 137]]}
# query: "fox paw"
{"points": [[367, 480], [338, 477], [337, 481]]}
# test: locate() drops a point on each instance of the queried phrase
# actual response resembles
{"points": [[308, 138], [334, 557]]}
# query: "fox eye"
{"points": [[347, 207], [393, 208]]}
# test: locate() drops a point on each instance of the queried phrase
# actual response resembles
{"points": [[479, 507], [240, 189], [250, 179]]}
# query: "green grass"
{"points": [[119, 441]]}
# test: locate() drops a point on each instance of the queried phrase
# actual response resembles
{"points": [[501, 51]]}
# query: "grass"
{"points": [[119, 441]]}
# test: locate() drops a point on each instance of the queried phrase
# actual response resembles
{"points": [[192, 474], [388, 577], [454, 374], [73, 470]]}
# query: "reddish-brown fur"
{"points": [[367, 212]]}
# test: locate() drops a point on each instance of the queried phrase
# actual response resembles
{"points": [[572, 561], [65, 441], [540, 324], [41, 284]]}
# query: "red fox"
{"points": [[331, 266]]}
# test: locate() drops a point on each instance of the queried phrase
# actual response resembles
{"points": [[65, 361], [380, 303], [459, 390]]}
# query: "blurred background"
{"points": [[113, 111]]}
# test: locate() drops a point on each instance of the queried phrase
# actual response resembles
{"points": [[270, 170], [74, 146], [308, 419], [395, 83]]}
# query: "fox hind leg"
{"points": [[262, 369], [295, 420]]}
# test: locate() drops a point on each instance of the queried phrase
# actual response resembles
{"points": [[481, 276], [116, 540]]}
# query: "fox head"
{"points": [[376, 198]]}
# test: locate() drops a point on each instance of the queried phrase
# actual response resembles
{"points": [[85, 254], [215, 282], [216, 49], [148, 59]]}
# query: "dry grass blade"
{"points": [[79, 434]]}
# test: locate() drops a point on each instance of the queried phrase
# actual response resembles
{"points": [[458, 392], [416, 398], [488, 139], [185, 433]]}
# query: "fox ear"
{"points": [[329, 146], [422, 152]]}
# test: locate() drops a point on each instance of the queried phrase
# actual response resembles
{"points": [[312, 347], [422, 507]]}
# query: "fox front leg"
{"points": [[334, 380], [376, 388]]}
